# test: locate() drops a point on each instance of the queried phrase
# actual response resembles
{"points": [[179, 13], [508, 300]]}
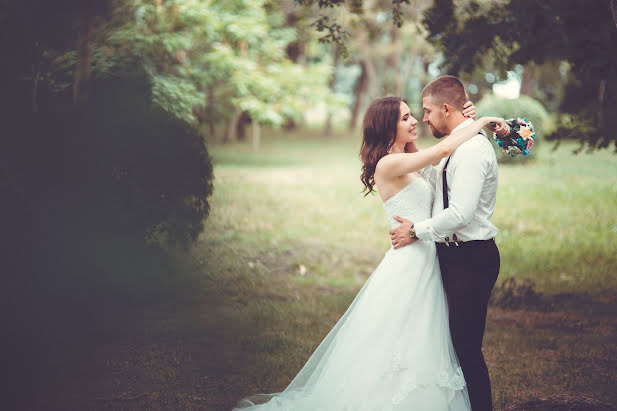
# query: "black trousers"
{"points": [[469, 273]]}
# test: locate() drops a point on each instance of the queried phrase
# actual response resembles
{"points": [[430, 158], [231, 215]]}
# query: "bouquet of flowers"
{"points": [[520, 138]]}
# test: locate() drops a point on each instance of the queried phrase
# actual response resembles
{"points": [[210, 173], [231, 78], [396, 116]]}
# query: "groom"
{"points": [[465, 194]]}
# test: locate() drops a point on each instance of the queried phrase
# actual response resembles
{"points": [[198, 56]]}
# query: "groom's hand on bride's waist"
{"points": [[400, 235]]}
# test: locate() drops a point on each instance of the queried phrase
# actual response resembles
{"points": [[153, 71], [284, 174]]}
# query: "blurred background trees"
{"points": [[565, 53], [212, 70]]}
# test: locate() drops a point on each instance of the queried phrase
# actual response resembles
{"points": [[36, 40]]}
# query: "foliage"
{"points": [[337, 33], [524, 106], [522, 31], [38, 94], [216, 55], [117, 161]]}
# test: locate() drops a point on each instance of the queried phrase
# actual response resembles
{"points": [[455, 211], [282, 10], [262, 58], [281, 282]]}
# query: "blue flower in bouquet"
{"points": [[520, 138]]}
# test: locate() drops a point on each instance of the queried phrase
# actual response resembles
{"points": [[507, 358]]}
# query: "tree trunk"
{"points": [[256, 135], [290, 124], [327, 132], [36, 76], [232, 125], [395, 62], [614, 11], [295, 49], [210, 111], [337, 54], [601, 99], [84, 53], [360, 90], [527, 80], [241, 126], [403, 74]]}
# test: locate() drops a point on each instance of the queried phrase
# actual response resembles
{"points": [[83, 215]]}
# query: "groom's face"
{"points": [[434, 116]]}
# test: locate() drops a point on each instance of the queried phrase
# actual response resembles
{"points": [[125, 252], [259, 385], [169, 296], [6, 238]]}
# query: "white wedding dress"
{"points": [[391, 350]]}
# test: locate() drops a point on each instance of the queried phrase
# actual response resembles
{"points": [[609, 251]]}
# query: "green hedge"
{"points": [[524, 106]]}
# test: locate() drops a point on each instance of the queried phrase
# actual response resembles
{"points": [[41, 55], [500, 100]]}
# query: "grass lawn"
{"points": [[290, 239]]}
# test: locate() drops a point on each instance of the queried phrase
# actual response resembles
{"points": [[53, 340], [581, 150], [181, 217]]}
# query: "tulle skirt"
{"points": [[391, 350]]}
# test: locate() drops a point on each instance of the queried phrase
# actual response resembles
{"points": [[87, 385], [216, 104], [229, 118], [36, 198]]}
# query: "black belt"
{"points": [[463, 243]]}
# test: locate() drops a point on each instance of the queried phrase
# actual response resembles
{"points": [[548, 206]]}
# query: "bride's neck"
{"points": [[397, 149]]}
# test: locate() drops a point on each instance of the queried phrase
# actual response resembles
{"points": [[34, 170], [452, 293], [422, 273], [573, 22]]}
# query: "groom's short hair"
{"points": [[446, 89]]}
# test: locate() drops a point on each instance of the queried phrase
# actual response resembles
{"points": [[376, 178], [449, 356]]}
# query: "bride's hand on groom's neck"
{"points": [[469, 110]]}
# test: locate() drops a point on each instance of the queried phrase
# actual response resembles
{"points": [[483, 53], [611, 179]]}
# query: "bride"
{"points": [[391, 350]]}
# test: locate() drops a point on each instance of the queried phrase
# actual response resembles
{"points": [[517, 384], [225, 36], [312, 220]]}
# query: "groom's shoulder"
{"points": [[478, 144]]}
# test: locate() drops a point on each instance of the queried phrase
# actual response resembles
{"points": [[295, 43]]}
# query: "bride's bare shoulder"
{"points": [[385, 165]]}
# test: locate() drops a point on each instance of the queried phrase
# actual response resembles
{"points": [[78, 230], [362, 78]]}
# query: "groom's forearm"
{"points": [[463, 203], [442, 225]]}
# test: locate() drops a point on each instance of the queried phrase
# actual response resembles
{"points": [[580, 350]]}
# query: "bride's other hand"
{"points": [[400, 235], [469, 110], [501, 127]]}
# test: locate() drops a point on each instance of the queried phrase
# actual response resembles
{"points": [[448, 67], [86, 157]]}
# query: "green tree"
{"points": [[382, 45], [222, 58], [582, 34]]}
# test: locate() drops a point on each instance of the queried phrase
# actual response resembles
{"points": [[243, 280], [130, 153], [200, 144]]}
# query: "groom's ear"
{"points": [[448, 109]]}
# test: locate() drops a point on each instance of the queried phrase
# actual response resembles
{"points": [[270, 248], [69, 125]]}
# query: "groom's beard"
{"points": [[437, 133]]}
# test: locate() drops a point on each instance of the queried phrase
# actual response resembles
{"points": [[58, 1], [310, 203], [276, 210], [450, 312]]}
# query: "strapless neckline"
{"points": [[402, 190]]}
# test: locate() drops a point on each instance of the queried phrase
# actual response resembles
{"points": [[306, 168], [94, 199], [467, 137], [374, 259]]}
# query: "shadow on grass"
{"points": [[249, 329], [517, 294]]}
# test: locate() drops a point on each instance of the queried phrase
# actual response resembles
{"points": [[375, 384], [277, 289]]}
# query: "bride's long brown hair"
{"points": [[378, 134]]}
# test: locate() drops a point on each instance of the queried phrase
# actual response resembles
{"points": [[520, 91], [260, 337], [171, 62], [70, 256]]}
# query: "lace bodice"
{"points": [[414, 202]]}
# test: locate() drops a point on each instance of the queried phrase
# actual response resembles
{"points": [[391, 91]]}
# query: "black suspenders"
{"points": [[444, 187]]}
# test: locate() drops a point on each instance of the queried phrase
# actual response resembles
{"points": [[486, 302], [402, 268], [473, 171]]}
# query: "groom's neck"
{"points": [[454, 120]]}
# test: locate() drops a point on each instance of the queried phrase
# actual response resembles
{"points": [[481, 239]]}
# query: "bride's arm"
{"points": [[429, 171], [469, 110], [395, 165]]}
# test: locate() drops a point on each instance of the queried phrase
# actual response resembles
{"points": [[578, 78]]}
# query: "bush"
{"points": [[524, 106], [98, 195], [94, 200]]}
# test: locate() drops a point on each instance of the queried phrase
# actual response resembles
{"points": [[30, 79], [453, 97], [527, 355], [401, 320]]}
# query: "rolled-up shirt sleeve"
{"points": [[468, 169]]}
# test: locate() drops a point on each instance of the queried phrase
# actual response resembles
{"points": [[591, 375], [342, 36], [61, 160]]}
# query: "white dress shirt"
{"points": [[472, 193]]}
